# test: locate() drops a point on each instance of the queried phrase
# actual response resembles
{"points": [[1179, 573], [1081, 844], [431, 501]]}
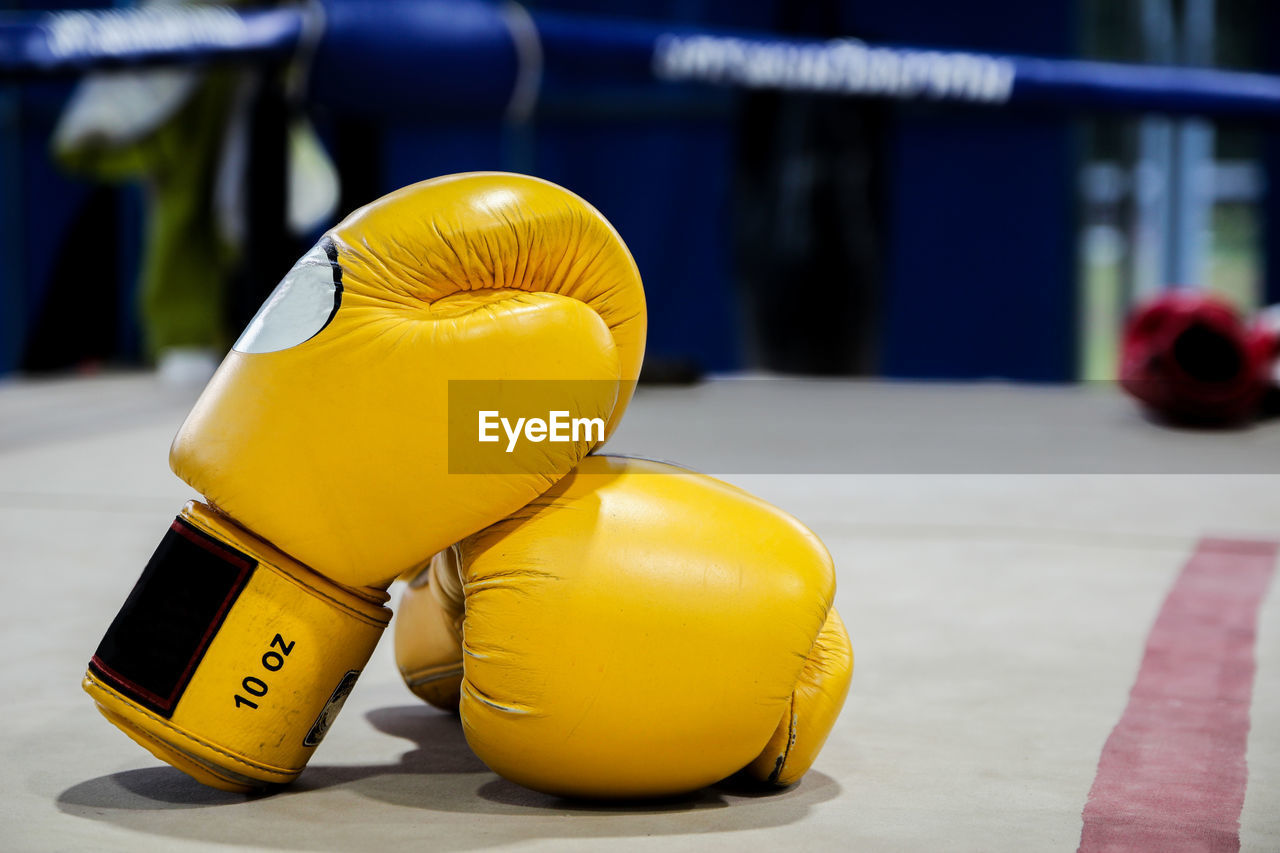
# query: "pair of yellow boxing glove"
{"points": [[606, 627]]}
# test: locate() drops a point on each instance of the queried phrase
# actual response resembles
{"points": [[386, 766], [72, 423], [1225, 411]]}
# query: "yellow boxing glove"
{"points": [[638, 630], [337, 444]]}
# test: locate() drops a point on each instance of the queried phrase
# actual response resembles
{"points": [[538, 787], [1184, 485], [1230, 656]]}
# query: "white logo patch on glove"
{"points": [[302, 304]]}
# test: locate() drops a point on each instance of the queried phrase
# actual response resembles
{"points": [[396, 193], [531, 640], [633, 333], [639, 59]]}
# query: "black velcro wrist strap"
{"points": [[164, 628]]}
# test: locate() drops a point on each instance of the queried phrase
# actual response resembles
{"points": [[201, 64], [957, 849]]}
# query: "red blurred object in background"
{"points": [[1189, 356]]}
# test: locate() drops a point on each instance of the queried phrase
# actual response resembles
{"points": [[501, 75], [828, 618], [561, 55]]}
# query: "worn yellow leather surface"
{"points": [[322, 443], [336, 449], [815, 704], [429, 648], [638, 630]]}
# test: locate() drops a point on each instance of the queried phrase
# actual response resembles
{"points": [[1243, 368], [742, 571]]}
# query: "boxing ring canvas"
{"points": [[1067, 635]]}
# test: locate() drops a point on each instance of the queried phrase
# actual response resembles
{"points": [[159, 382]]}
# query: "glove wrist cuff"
{"points": [[229, 660]]}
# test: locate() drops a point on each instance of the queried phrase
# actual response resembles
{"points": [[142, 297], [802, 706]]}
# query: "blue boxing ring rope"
{"points": [[72, 42], [481, 59], [432, 40]]}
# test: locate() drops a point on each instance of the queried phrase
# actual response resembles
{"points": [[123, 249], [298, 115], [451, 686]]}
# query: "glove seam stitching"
{"points": [[791, 736], [318, 593], [312, 589]]}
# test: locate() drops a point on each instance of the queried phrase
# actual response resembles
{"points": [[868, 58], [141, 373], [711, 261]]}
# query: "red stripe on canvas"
{"points": [[1172, 774]]}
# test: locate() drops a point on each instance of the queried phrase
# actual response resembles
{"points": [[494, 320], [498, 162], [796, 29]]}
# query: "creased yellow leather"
{"points": [[638, 630], [429, 646], [336, 449], [815, 704]]}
